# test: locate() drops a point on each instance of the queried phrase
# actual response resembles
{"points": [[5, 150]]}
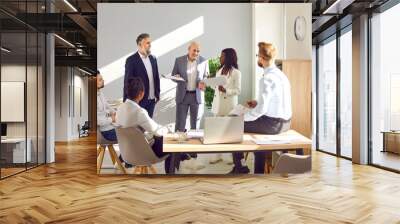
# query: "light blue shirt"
{"points": [[274, 97]]}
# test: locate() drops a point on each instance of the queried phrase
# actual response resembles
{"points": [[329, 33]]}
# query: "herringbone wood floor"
{"points": [[70, 191]]}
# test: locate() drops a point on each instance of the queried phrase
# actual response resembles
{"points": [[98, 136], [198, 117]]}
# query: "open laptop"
{"points": [[223, 130]]}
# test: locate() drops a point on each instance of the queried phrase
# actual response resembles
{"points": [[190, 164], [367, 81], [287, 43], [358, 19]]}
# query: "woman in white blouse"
{"points": [[226, 96]]}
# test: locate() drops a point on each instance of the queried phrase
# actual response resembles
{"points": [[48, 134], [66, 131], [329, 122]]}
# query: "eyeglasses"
{"points": [[257, 55]]}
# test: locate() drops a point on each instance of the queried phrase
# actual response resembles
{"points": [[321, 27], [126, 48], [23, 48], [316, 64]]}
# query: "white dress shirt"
{"points": [[224, 103], [274, 99], [130, 114], [104, 120], [149, 69], [191, 75]]}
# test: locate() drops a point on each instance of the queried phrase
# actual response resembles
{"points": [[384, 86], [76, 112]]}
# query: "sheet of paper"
{"points": [[172, 77], [217, 81], [195, 134], [276, 139], [239, 110], [270, 142]]}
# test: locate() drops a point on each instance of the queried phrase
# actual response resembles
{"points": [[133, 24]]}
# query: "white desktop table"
{"points": [[19, 154]]}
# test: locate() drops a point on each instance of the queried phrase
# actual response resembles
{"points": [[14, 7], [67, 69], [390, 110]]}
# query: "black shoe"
{"points": [[127, 165], [185, 156], [193, 155], [240, 170]]}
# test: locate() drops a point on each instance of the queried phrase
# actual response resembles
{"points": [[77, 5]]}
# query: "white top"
{"points": [[274, 99], [191, 75], [149, 69], [130, 114], [104, 120], [224, 103]]}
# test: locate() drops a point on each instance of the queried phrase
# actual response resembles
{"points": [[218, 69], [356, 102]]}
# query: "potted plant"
{"points": [[213, 65]]}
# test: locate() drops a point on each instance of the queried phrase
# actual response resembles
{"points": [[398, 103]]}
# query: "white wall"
{"points": [[274, 23], [215, 26], [172, 27], [67, 83]]}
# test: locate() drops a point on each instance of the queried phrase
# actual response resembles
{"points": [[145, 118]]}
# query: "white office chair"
{"points": [[294, 164], [103, 145], [136, 150]]}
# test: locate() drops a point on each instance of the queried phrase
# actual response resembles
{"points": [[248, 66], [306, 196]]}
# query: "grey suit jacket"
{"points": [[180, 68]]}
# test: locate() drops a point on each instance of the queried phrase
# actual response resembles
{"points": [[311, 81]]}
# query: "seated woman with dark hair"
{"points": [[130, 114]]}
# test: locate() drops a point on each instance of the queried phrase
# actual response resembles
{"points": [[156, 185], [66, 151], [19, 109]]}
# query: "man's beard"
{"points": [[148, 52]]}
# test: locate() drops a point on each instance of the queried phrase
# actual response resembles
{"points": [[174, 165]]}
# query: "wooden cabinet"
{"points": [[299, 73], [391, 142]]}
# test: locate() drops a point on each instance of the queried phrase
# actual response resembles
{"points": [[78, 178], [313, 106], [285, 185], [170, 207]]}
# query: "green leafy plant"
{"points": [[213, 65]]}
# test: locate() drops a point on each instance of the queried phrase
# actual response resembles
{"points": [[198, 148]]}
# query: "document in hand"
{"points": [[217, 81], [239, 110], [172, 77]]}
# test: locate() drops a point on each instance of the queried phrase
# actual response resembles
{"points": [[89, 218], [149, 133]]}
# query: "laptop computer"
{"points": [[219, 130]]}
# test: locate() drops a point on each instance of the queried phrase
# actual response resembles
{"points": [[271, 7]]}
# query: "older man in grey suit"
{"points": [[192, 68]]}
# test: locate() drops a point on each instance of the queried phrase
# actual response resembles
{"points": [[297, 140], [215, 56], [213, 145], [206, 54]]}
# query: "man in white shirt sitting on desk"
{"points": [[131, 114], [272, 112]]}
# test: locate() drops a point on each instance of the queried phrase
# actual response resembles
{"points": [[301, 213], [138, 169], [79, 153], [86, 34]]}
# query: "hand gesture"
{"points": [[113, 116], [251, 103], [221, 89]]}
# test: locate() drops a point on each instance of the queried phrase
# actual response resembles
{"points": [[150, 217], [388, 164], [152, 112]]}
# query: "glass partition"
{"points": [[327, 97], [23, 90]]}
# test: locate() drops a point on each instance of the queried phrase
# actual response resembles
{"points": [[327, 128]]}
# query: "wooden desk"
{"points": [[196, 146]]}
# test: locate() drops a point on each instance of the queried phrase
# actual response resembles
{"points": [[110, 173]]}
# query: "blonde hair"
{"points": [[267, 50]]}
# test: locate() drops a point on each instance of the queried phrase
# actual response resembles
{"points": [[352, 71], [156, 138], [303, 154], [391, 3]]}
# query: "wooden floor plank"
{"points": [[70, 191]]}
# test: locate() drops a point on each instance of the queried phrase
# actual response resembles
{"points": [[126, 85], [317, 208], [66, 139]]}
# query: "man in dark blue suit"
{"points": [[143, 65]]}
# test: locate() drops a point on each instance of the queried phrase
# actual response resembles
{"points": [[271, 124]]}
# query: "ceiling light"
{"points": [[70, 5], [5, 50], [84, 71], [65, 41], [338, 6]]}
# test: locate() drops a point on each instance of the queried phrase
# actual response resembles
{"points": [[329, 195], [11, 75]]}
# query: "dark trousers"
{"points": [[148, 105], [189, 103], [158, 150], [263, 125], [110, 135]]}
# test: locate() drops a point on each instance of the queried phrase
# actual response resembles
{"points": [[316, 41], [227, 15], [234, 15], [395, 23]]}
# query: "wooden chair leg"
{"points": [[112, 156], [136, 170], [267, 168], [100, 158], [146, 170], [153, 170], [119, 164]]}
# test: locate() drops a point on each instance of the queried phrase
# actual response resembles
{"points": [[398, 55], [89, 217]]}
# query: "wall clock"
{"points": [[300, 28]]}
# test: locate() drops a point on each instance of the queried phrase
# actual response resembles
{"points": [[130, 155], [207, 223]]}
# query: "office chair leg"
{"points": [[114, 154], [136, 170], [100, 158]]}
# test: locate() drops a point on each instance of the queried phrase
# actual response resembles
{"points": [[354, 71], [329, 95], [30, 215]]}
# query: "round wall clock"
{"points": [[300, 28]]}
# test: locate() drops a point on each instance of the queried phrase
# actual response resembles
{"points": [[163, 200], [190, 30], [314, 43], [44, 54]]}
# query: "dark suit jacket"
{"points": [[134, 67]]}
